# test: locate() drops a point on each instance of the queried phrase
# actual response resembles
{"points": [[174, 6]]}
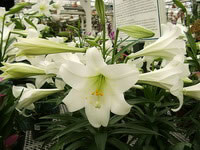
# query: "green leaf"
{"points": [[133, 132], [76, 145], [115, 119], [181, 146], [101, 139], [180, 5], [72, 127], [124, 50], [70, 138], [18, 7], [192, 42], [92, 43], [148, 148], [30, 23], [118, 144]]}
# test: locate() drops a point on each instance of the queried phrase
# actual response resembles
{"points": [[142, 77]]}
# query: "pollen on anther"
{"points": [[101, 94]]}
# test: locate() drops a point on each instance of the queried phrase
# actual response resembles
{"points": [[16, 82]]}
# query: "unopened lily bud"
{"points": [[100, 7], [192, 91], [136, 31], [38, 46], [18, 7], [187, 80], [20, 70], [30, 95]]}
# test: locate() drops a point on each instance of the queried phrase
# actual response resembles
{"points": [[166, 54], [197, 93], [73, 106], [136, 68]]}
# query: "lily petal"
{"points": [[121, 76], [118, 104], [74, 74], [17, 90], [74, 101], [94, 59], [98, 116]]}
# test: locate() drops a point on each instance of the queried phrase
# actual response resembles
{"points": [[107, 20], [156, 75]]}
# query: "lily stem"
{"points": [[115, 46], [104, 41], [2, 34]]}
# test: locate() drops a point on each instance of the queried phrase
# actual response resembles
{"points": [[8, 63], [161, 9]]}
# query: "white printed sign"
{"points": [[138, 12]]}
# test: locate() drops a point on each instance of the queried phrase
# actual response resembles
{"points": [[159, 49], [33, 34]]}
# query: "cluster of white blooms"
{"points": [[97, 86], [45, 6]]}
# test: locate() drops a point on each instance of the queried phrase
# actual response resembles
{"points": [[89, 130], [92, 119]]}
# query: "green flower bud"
{"points": [[38, 46], [30, 95], [18, 7], [136, 31], [100, 7], [20, 70]]}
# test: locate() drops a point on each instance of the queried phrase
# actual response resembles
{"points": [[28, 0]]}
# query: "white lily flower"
{"points": [[98, 87], [138, 62], [169, 78], [51, 64], [167, 47], [58, 39], [35, 21], [48, 66], [30, 95], [58, 5], [2, 13], [192, 91], [72, 44], [43, 7], [7, 30], [32, 33]]}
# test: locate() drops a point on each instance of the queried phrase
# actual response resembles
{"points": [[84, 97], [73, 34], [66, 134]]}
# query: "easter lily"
{"points": [[169, 78], [192, 91], [58, 5], [98, 87], [30, 95], [19, 70], [166, 47], [43, 7], [38, 46]]}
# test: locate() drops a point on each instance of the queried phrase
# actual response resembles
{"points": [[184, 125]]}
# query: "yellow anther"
{"points": [[101, 94]]}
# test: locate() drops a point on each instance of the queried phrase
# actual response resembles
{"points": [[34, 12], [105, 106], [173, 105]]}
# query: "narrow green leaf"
{"points": [[192, 42], [72, 127], [181, 146], [115, 119], [134, 131], [124, 50], [118, 144], [76, 145], [30, 23]]}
